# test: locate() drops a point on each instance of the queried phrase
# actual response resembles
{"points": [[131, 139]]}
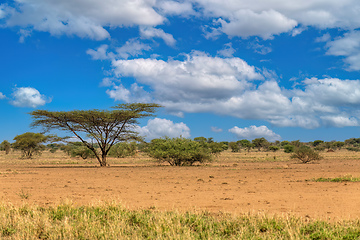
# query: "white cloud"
{"points": [[245, 18], [260, 48], [150, 32], [132, 48], [159, 127], [347, 46], [28, 97], [246, 23], [100, 53], [324, 38], [2, 96], [227, 51], [176, 8], [253, 132], [82, 18], [216, 129], [226, 86], [241, 18], [340, 121], [136, 93], [23, 34], [198, 78]]}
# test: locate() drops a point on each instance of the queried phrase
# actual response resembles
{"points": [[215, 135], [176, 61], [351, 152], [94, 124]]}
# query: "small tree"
{"points": [[178, 151], [260, 143], [216, 148], [30, 143], [305, 154], [234, 147], [244, 143], [105, 128], [5, 146]]}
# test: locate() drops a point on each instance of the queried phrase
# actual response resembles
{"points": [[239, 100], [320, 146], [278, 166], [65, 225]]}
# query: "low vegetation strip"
{"points": [[346, 178], [112, 221]]}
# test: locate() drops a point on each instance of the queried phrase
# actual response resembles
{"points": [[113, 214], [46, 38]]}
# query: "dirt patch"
{"points": [[271, 187]]}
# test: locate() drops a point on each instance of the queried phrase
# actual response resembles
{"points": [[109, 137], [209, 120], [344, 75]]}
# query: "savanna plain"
{"points": [[245, 195]]}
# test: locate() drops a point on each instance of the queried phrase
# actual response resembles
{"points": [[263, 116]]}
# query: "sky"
{"points": [[230, 70]]}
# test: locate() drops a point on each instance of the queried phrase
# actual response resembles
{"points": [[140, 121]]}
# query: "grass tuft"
{"points": [[346, 178]]}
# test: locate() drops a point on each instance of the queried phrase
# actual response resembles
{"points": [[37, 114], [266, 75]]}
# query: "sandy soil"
{"points": [[273, 188]]}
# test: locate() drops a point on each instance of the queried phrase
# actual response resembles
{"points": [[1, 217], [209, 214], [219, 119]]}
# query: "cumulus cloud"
{"points": [[245, 23], [132, 48], [28, 97], [242, 18], [159, 127], [151, 32], [82, 18], [2, 96], [253, 132], [271, 17], [347, 46], [176, 8], [136, 93], [199, 78], [226, 86]]}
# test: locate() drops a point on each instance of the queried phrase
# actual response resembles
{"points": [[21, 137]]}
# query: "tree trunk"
{"points": [[103, 160]]}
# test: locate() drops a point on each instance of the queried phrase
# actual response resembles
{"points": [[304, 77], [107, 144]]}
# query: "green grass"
{"points": [[112, 221], [346, 178]]}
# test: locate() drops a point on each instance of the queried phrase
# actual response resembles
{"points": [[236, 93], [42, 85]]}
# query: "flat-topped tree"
{"points": [[105, 127]]}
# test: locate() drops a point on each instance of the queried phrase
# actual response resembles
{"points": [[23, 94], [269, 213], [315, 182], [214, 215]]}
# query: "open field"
{"points": [[235, 183]]}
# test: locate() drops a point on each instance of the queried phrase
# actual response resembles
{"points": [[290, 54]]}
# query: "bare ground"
{"points": [[229, 186]]}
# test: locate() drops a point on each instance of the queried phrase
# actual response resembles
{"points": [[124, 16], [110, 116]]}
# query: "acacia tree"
{"points": [[31, 143], [104, 127]]}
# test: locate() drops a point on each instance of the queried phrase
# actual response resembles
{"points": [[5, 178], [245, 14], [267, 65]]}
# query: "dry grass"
{"points": [[112, 221], [226, 157]]}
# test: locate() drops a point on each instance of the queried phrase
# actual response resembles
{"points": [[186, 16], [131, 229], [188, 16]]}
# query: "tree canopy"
{"points": [[31, 143], [178, 151], [104, 127]]}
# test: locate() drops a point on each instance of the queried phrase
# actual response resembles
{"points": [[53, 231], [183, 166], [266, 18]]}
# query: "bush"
{"points": [[216, 148], [178, 151], [82, 151], [289, 148], [78, 149], [123, 149], [234, 147], [305, 154], [274, 148], [355, 149], [5, 146]]}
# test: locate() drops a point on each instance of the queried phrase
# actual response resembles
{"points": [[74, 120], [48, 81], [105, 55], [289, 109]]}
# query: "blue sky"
{"points": [[237, 69]]}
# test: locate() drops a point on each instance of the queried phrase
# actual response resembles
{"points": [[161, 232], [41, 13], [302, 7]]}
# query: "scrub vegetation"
{"points": [[112, 221]]}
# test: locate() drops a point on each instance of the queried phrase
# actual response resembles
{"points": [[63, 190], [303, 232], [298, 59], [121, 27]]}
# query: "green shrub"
{"points": [[178, 151], [289, 148], [5, 146], [355, 149], [123, 149], [234, 147], [82, 151], [305, 154], [274, 148]]}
